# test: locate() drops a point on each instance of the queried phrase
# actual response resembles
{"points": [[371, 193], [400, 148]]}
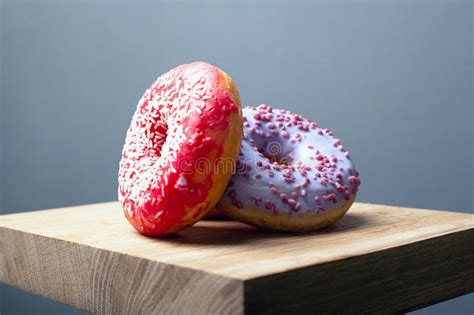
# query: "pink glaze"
{"points": [[173, 127]]}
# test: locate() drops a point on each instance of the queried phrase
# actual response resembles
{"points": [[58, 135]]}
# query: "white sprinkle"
{"points": [[157, 215], [182, 181]]}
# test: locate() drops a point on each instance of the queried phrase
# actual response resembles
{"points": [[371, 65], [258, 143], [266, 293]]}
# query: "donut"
{"points": [[185, 126], [291, 175]]}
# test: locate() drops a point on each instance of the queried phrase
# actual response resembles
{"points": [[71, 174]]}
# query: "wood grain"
{"points": [[376, 259]]}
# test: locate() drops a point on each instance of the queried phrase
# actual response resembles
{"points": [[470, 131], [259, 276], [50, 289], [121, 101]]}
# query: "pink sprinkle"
{"points": [[268, 204], [347, 196], [339, 187], [306, 182], [354, 181], [292, 203], [331, 197]]}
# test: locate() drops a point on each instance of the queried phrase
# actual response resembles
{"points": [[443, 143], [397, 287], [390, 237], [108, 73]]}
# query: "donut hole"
{"points": [[273, 152], [276, 159], [158, 137]]}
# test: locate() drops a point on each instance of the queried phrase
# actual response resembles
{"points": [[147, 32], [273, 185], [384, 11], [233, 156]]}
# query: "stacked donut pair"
{"points": [[191, 147]]}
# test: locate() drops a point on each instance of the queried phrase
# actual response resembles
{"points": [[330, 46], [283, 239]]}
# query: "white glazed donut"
{"points": [[291, 174]]}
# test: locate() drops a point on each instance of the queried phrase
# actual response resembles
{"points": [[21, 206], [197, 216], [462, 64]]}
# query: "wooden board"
{"points": [[376, 259]]}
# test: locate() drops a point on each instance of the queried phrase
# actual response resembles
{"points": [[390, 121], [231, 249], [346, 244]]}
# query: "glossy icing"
{"points": [[289, 165]]}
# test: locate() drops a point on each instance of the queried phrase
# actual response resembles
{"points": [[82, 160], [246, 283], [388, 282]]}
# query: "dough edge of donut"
{"points": [[297, 224]]}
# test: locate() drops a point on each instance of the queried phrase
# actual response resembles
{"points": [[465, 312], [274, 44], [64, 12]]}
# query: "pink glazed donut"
{"points": [[189, 115], [291, 175]]}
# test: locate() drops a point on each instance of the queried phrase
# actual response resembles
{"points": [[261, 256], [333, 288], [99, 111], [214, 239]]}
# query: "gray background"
{"points": [[393, 79]]}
